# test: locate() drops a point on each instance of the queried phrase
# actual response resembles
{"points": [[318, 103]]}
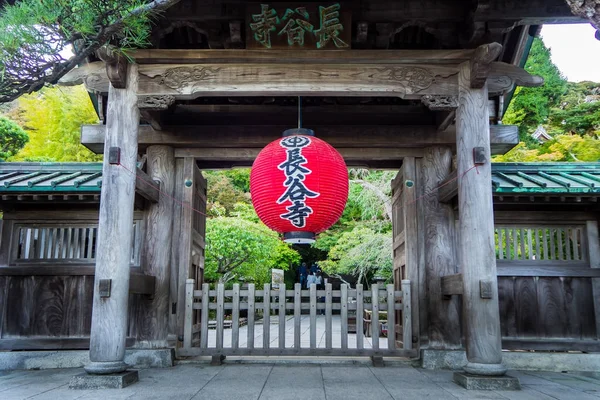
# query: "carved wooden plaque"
{"points": [[298, 26]]}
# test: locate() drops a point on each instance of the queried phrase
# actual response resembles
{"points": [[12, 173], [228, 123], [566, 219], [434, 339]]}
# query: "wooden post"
{"points": [[476, 252], [115, 231], [411, 244], [157, 247], [181, 249], [593, 242], [440, 256]]}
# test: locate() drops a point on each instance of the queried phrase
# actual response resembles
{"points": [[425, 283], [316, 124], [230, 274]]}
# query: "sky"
{"points": [[575, 51]]}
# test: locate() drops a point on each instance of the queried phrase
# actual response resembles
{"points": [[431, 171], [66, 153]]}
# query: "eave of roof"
{"points": [[546, 178], [516, 178], [50, 177]]}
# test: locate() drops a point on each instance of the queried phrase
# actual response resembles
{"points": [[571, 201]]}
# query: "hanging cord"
{"points": [[299, 112]]}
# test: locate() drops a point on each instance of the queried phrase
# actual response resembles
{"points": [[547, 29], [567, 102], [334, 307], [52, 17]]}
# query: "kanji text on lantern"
{"points": [[295, 172]]}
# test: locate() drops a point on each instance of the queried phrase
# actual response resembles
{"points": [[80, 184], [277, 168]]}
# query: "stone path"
{"points": [[295, 381]]}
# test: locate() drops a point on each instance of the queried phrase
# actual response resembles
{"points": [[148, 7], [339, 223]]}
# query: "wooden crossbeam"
{"points": [[355, 143], [146, 186], [409, 75]]}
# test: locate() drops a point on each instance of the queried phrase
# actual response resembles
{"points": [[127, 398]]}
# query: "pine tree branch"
{"points": [[31, 72]]}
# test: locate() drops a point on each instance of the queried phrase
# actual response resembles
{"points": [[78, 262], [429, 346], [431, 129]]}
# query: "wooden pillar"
{"points": [[115, 231], [154, 319], [182, 241], [411, 230], [444, 330], [476, 252]]}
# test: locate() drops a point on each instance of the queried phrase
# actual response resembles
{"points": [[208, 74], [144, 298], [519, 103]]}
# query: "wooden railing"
{"points": [[72, 242], [540, 243], [288, 305]]}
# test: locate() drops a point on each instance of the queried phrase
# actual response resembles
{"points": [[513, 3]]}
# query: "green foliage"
{"points": [[570, 113], [53, 118], [12, 138], [530, 107], [579, 110], [362, 253], [223, 193], [240, 249]]}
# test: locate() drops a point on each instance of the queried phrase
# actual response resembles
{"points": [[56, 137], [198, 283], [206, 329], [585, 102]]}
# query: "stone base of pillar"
{"points": [[109, 381], [478, 382], [105, 367], [217, 360], [485, 369]]}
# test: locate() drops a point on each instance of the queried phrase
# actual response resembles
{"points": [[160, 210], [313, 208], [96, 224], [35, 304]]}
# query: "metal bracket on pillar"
{"points": [[104, 287], [485, 289], [114, 156], [479, 157]]}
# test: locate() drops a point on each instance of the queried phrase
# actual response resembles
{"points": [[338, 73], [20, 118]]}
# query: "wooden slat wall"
{"points": [[47, 279], [50, 307], [545, 294]]}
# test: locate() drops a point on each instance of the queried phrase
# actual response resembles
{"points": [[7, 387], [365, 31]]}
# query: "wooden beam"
{"points": [[159, 56], [146, 186], [551, 344], [452, 284], [448, 188], [510, 268], [50, 343], [289, 76], [503, 137], [189, 81], [481, 63], [245, 157]]}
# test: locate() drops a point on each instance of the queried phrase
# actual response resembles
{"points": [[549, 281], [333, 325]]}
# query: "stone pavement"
{"points": [[295, 381]]}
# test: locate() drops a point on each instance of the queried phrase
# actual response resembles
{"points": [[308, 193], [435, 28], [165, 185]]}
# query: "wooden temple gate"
{"points": [[454, 82], [434, 114]]}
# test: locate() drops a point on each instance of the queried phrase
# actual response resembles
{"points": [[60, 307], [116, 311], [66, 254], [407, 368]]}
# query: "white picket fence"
{"points": [[284, 308]]}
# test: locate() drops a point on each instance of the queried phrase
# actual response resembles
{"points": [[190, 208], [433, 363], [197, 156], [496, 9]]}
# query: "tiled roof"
{"points": [[50, 177], [546, 178], [526, 178]]}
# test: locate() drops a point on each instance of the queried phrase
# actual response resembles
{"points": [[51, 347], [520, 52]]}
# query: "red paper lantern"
{"points": [[299, 185]]}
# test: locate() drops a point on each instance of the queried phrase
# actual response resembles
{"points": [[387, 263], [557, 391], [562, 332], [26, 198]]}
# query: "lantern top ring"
{"points": [[298, 131]]}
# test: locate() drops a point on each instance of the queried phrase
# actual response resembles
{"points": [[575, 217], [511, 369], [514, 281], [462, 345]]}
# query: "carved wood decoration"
{"points": [[116, 66], [481, 63], [440, 103], [405, 74], [155, 102]]}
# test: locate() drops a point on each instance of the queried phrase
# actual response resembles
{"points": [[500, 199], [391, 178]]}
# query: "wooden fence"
{"points": [[288, 305]]}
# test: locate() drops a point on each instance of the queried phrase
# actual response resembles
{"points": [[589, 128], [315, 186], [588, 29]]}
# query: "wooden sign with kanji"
{"points": [[298, 26]]}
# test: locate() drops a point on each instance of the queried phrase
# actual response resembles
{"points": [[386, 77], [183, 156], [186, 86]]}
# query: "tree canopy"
{"points": [[12, 138], [568, 111], [237, 248], [52, 118]]}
